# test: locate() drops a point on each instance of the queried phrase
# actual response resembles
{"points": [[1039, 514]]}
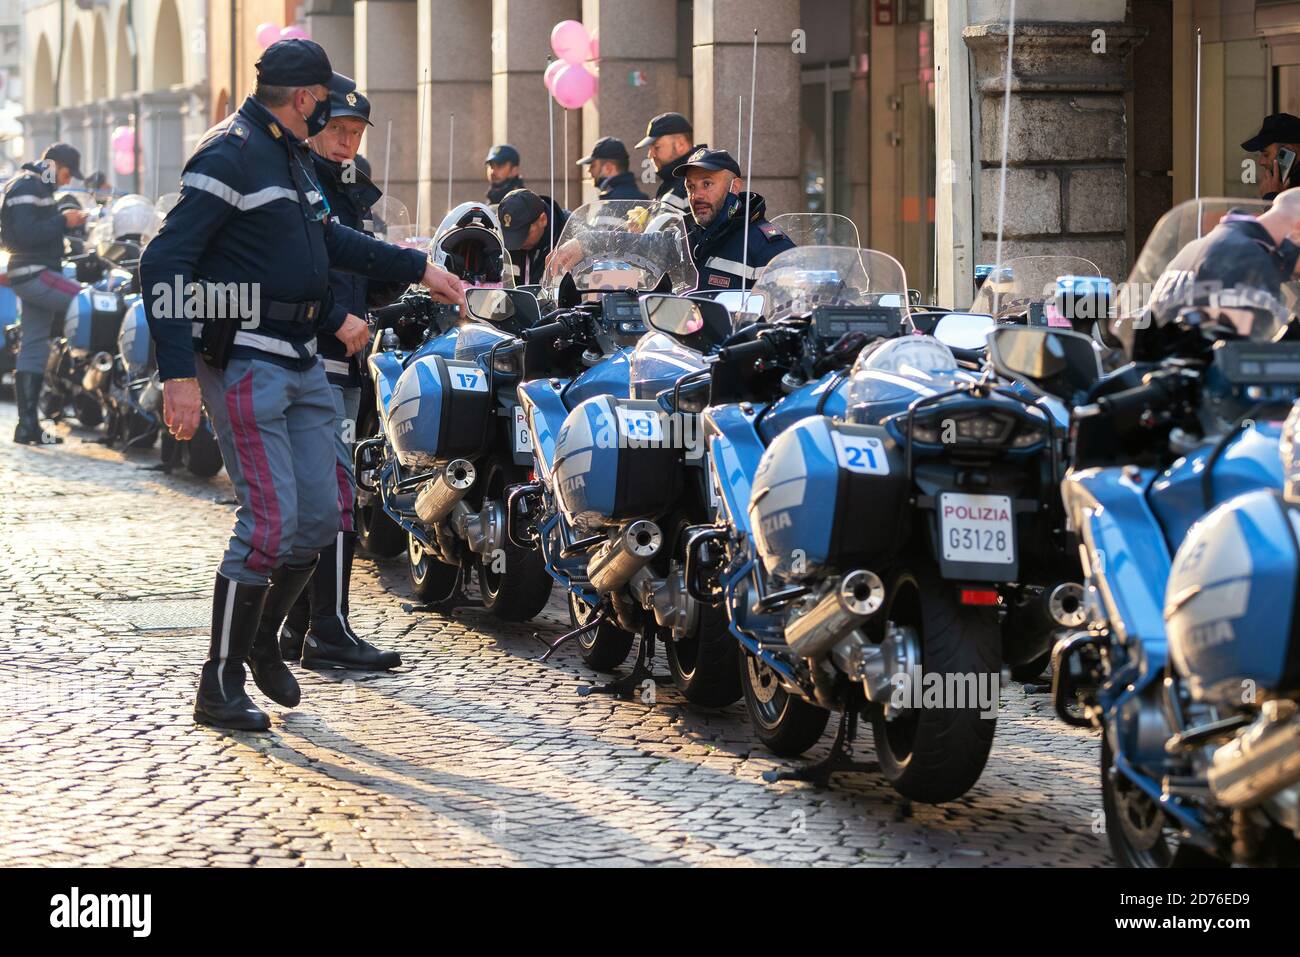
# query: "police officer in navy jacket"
{"points": [[607, 165], [239, 273]]}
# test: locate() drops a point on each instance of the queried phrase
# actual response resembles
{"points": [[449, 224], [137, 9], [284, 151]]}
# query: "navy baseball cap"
{"points": [[1277, 128], [705, 158], [503, 153], [663, 125], [347, 100], [606, 148], [65, 154], [294, 62], [518, 211]]}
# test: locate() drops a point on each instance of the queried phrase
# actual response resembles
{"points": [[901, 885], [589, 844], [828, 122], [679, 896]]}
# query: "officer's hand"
{"points": [[74, 217], [354, 334], [1272, 179], [443, 286], [182, 407]]}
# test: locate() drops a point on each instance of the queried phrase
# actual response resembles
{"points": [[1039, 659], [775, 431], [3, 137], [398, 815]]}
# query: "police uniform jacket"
{"points": [[621, 186], [719, 249], [529, 264], [32, 225], [672, 189], [252, 212], [497, 193]]}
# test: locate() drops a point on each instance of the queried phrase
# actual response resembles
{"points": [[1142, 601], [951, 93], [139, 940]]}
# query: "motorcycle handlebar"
{"points": [[1154, 391], [758, 349], [386, 315], [546, 329]]}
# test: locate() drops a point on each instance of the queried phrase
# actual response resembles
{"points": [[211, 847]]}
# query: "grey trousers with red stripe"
{"points": [[276, 428], [45, 296]]}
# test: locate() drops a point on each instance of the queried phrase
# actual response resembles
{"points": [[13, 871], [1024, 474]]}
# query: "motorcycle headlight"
{"points": [[926, 432], [1028, 435], [507, 363]]}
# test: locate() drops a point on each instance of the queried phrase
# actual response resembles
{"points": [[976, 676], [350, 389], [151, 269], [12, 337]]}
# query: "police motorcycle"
{"points": [[1187, 659], [613, 494], [863, 553], [449, 444], [80, 368]]}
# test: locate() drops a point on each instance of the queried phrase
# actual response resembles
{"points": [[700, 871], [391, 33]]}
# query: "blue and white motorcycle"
{"points": [[1188, 662]]}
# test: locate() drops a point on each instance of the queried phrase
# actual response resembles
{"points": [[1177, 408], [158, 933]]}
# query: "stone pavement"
{"points": [[472, 753]]}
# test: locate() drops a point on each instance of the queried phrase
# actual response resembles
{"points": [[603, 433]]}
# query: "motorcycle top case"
{"points": [[133, 341], [92, 321], [827, 495], [1230, 603], [440, 410], [616, 460]]}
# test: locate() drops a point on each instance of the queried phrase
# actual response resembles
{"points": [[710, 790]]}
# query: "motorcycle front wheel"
{"points": [[703, 661], [604, 648], [936, 754], [785, 723], [514, 583], [432, 580]]}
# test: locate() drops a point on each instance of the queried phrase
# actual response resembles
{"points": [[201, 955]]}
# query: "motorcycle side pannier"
{"points": [[92, 321], [134, 343], [440, 410], [616, 460], [828, 495]]}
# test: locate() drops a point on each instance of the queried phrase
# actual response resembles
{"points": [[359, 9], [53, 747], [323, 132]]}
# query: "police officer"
{"points": [[668, 141], [502, 172], [1279, 130], [317, 628], [247, 251], [607, 165], [526, 221], [717, 238], [33, 230]]}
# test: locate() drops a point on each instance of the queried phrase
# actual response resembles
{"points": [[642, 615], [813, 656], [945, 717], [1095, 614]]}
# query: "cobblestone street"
{"points": [[471, 753]]}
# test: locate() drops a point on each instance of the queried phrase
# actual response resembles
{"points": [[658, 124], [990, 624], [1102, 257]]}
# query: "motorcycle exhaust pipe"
{"points": [[151, 396], [440, 495], [1065, 605], [616, 561], [1261, 761], [860, 595], [97, 374]]}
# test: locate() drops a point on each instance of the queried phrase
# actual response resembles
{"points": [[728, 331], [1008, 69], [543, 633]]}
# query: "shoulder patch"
{"points": [[237, 131], [773, 233]]}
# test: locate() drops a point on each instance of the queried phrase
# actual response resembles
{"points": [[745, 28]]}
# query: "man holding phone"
{"points": [[1278, 143]]}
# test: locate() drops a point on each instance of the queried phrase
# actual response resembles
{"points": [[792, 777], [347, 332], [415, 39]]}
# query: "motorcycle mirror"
{"points": [[503, 307], [1058, 361], [696, 322], [568, 296], [964, 331]]}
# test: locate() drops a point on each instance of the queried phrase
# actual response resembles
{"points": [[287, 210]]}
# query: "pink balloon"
{"points": [[124, 162], [267, 33], [122, 140], [294, 32], [552, 72], [594, 47], [569, 41], [573, 86]]}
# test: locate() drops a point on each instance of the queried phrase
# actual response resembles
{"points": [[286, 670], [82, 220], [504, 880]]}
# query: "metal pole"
{"points": [[1197, 177], [550, 125], [749, 170], [451, 157], [388, 155], [419, 160], [1006, 136]]}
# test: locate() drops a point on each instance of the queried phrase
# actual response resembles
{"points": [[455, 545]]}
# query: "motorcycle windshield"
{"points": [[473, 339], [1025, 282], [658, 356], [799, 280], [920, 364], [165, 203], [1246, 295], [818, 229], [391, 222], [621, 244]]}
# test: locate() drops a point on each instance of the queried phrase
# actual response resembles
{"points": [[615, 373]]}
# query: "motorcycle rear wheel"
{"points": [[432, 580], [934, 755], [522, 586], [785, 723], [603, 649]]}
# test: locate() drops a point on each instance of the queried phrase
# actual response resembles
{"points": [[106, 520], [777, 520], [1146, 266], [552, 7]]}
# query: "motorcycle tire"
{"points": [[203, 455], [519, 587], [785, 723], [433, 581], [87, 410], [933, 755], [603, 649], [1136, 827], [377, 534], [1032, 670], [704, 664]]}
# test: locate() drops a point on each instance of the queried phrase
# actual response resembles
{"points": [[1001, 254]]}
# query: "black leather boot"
{"points": [[221, 701], [294, 628], [269, 670], [27, 399], [331, 642]]}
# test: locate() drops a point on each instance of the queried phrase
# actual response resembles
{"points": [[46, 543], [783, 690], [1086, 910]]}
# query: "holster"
{"points": [[217, 338]]}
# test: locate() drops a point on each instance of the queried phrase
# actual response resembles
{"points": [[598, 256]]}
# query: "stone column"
{"points": [[521, 42], [638, 77], [454, 52], [160, 136], [331, 24], [385, 51], [1067, 184], [72, 127], [724, 32], [94, 158], [39, 131]]}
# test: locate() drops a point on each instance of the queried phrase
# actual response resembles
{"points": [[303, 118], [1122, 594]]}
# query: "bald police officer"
{"points": [[239, 273]]}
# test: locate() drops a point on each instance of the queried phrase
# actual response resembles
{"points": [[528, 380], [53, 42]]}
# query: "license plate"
{"points": [[977, 528], [523, 438]]}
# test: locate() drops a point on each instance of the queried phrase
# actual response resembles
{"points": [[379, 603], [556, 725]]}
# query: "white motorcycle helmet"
{"points": [[134, 219], [469, 244]]}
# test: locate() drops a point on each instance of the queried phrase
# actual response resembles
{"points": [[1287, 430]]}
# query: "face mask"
{"points": [[319, 117]]}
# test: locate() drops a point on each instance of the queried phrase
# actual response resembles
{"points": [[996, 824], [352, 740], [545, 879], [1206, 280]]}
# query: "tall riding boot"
{"points": [[269, 670], [294, 628], [27, 398], [331, 642], [221, 701]]}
